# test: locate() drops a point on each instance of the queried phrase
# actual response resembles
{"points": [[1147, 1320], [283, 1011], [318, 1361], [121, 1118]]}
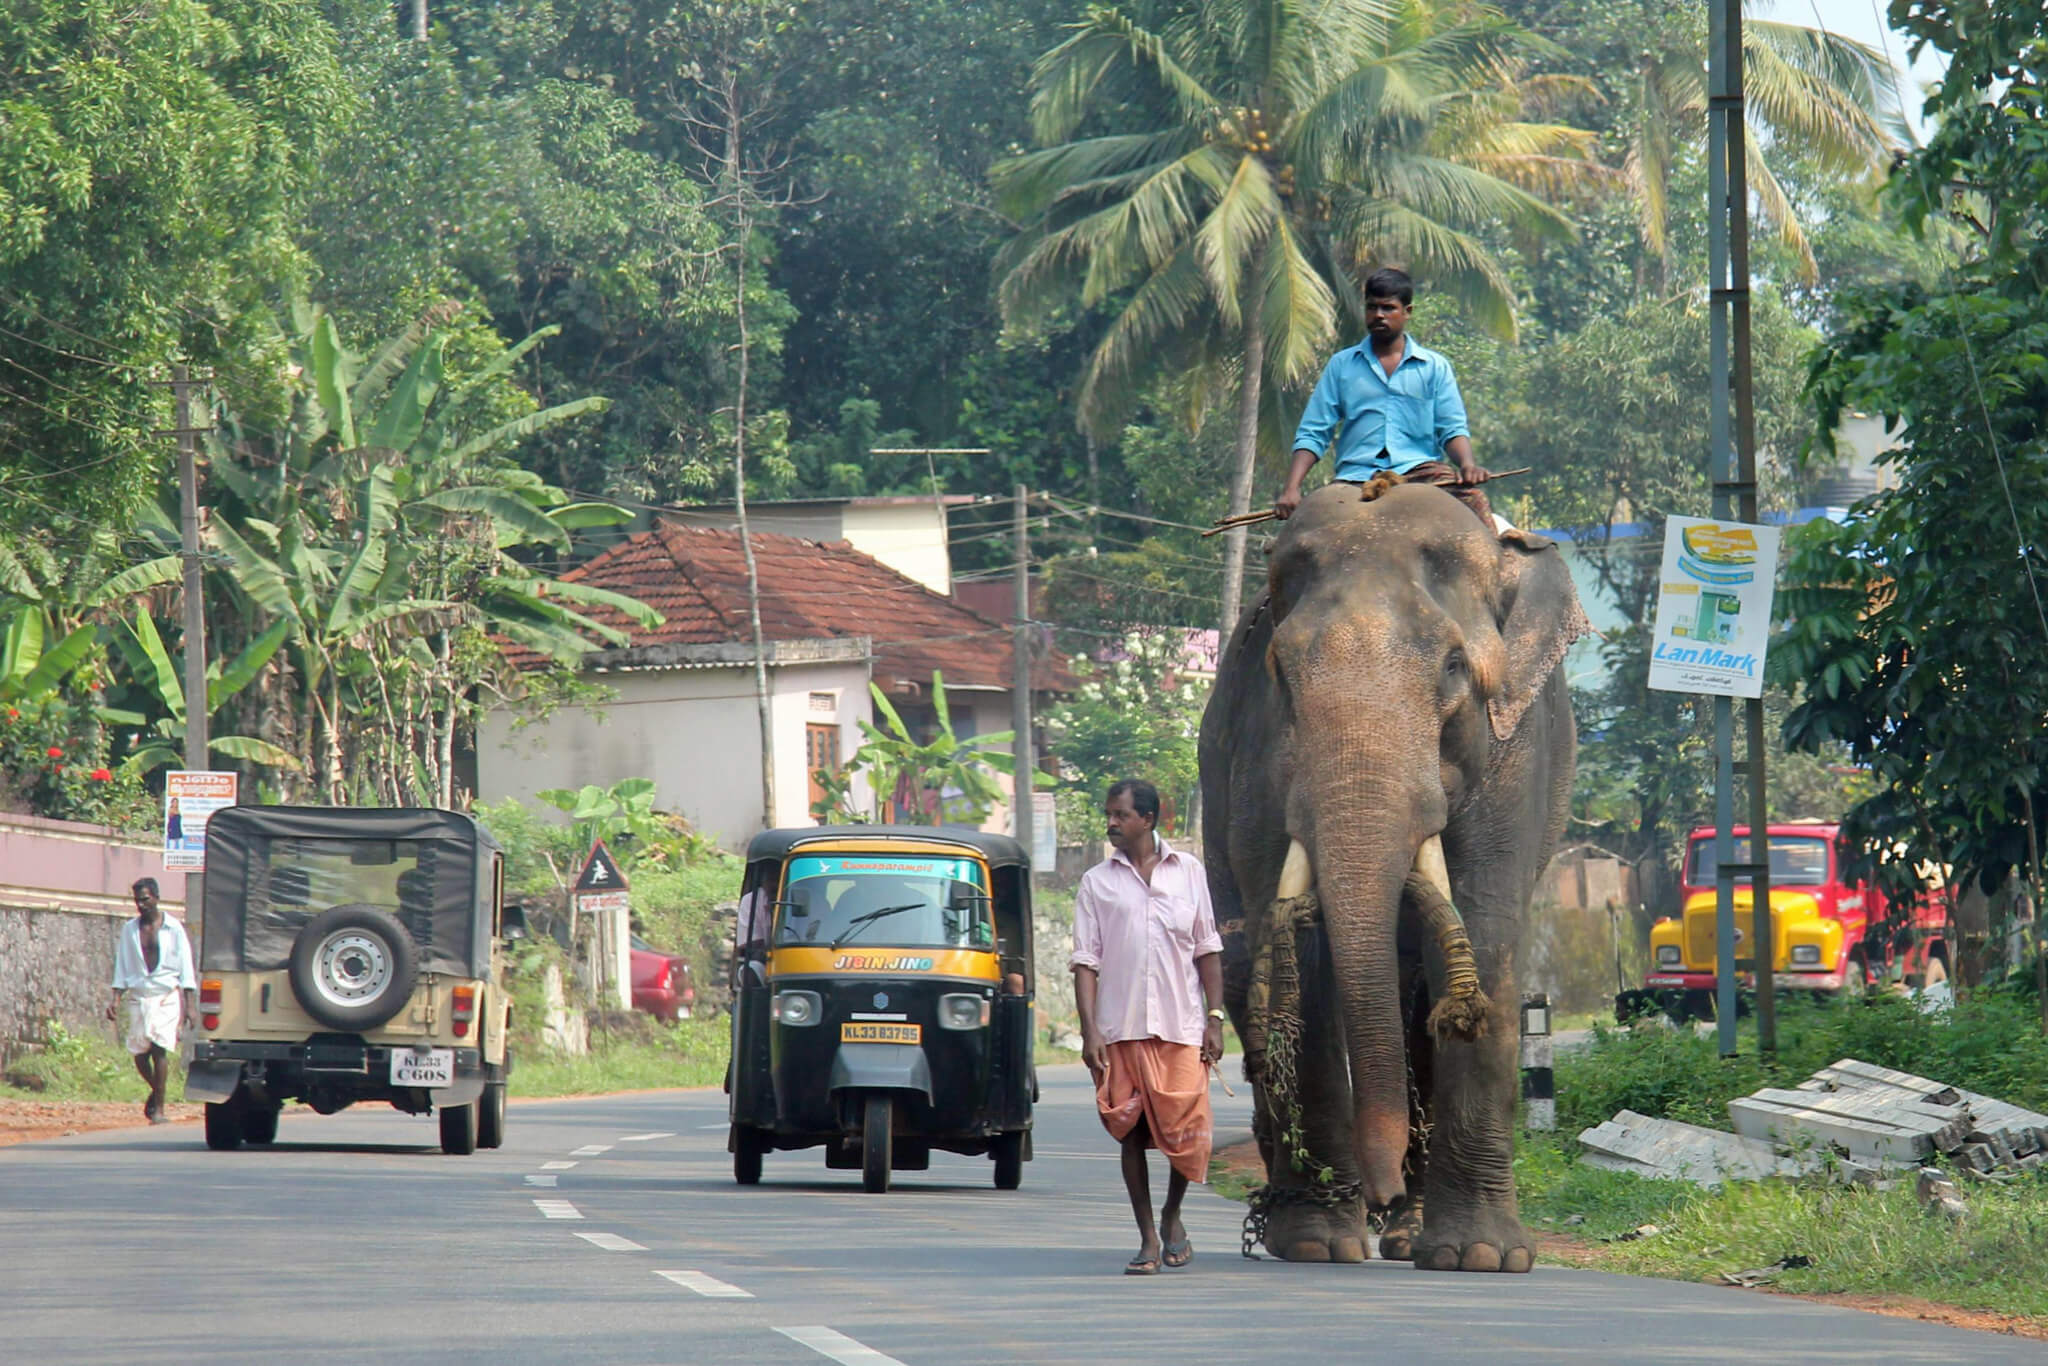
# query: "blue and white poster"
{"points": [[1714, 607]]}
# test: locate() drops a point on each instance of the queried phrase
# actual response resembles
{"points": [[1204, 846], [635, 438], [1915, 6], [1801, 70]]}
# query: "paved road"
{"points": [[610, 1231]]}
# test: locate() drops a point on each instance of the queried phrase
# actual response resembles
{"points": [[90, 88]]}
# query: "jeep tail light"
{"points": [[209, 1003], [465, 1010]]}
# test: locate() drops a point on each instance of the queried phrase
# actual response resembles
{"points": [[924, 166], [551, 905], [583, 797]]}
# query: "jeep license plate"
{"points": [[423, 1067], [871, 1031]]}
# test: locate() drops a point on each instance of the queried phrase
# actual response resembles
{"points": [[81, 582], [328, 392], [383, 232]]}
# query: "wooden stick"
{"points": [[1223, 524]]}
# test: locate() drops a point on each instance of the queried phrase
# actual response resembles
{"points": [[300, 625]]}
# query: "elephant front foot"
{"points": [[1302, 1232], [1482, 1240], [1403, 1229]]}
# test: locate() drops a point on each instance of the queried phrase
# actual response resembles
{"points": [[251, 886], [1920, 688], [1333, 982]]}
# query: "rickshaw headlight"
{"points": [[797, 1007], [963, 1012]]}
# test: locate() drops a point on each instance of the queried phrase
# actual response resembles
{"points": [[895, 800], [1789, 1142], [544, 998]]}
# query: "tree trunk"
{"points": [[445, 779], [739, 448], [1246, 453]]}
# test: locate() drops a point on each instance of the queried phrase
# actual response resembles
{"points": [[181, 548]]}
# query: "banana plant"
{"points": [[957, 771], [152, 666]]}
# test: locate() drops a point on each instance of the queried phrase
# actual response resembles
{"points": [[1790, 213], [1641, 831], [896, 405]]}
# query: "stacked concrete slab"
{"points": [[1872, 1118]]}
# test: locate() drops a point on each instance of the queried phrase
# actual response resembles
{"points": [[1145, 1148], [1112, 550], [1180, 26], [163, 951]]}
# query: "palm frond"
{"points": [[1247, 210], [1829, 95], [1130, 352], [1775, 206], [1026, 185], [1298, 310], [1388, 231]]}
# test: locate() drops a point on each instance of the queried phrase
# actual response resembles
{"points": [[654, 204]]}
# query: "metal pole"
{"points": [[1724, 16], [1734, 468], [195, 603], [1020, 680]]}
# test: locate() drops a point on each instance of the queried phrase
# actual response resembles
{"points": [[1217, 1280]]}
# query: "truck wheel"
{"points": [[1855, 979], [490, 1116], [458, 1130], [877, 1143], [224, 1124], [1695, 1005], [353, 967], [1009, 1155]]}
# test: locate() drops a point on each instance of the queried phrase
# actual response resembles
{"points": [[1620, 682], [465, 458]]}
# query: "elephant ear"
{"points": [[1539, 616]]}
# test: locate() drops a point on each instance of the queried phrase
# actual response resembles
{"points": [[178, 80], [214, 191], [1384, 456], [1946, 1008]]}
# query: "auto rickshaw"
{"points": [[882, 1001]]}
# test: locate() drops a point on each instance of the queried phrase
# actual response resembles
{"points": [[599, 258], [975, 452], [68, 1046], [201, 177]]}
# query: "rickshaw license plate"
{"points": [[873, 1031], [429, 1067]]}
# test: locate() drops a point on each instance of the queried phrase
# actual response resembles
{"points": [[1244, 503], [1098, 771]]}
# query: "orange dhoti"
{"points": [[1166, 1085]]}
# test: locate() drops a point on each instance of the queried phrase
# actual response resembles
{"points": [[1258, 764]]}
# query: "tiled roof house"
{"points": [[684, 714]]}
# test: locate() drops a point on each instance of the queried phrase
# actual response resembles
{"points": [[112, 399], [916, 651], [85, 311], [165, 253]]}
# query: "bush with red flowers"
{"points": [[54, 762]]}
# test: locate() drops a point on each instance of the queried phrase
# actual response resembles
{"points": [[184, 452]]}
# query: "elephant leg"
{"points": [[1404, 1217], [1301, 1227], [1474, 1223]]}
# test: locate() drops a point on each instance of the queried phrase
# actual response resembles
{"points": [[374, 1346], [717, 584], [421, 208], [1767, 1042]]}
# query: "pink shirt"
{"points": [[1142, 942]]}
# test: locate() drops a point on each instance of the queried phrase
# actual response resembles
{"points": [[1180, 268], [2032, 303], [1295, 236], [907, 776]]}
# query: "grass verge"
{"points": [[88, 1066], [686, 1053]]}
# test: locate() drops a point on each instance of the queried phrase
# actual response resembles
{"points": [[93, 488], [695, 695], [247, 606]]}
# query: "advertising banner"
{"points": [[190, 796], [1714, 607]]}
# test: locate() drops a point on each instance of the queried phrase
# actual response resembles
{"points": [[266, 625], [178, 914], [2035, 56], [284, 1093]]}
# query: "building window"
{"points": [[824, 704], [821, 751]]}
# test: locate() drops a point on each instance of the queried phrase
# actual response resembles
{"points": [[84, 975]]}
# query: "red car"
{"points": [[661, 982]]}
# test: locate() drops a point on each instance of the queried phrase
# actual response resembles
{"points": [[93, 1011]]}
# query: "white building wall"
{"points": [[909, 537], [695, 732]]}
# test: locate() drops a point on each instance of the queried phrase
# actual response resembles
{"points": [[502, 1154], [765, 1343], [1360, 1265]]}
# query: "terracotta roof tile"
{"points": [[696, 577]]}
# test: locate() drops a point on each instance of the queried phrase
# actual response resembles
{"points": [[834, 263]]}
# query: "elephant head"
{"points": [[1408, 642]]}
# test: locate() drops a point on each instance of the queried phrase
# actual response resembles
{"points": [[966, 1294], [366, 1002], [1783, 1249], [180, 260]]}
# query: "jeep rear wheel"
{"points": [[259, 1121], [353, 967], [458, 1130], [224, 1124], [490, 1115]]}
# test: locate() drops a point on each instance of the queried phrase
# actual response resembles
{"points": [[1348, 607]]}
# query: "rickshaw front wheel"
{"points": [[1009, 1155], [746, 1156], [877, 1142]]}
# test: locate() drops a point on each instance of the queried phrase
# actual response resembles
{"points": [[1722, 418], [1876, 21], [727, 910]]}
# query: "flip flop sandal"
{"points": [[1180, 1254], [1141, 1265]]}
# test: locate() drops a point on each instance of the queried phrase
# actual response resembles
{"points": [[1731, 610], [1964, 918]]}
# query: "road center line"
{"points": [[557, 1209], [610, 1242], [706, 1286], [547, 1180], [644, 1138], [556, 1166], [837, 1346], [590, 1150]]}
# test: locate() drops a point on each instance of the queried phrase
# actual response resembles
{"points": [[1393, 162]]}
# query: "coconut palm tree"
{"points": [[1223, 179], [1807, 90]]}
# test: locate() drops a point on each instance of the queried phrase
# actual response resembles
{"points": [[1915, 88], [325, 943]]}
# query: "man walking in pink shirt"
{"points": [[1148, 980]]}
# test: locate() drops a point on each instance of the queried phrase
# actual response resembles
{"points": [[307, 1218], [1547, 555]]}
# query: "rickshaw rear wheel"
{"points": [[1009, 1155], [746, 1156], [877, 1142]]}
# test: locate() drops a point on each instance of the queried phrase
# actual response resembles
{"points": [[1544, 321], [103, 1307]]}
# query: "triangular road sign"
{"points": [[600, 872]]}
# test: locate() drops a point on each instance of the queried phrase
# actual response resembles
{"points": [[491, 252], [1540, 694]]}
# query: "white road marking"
{"points": [[837, 1346], [644, 1138], [556, 1166], [610, 1242], [548, 1180], [590, 1150], [557, 1209], [707, 1286], [720, 1125]]}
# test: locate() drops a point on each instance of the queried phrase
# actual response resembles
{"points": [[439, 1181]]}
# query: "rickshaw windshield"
{"points": [[909, 901]]}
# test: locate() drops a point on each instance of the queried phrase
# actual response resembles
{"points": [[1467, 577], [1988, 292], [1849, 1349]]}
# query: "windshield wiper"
{"points": [[861, 922]]}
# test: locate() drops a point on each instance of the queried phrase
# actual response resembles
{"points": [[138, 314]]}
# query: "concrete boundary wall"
{"points": [[64, 893]]}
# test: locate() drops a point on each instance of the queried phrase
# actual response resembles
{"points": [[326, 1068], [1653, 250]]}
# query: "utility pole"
{"points": [[195, 605], [1732, 433], [419, 20], [1020, 679]]}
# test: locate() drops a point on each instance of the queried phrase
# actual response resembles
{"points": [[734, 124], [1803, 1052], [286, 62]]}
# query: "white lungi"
{"points": [[153, 1020]]}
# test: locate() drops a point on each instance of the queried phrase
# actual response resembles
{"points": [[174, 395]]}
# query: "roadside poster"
{"points": [[190, 796], [1045, 832], [1714, 607]]}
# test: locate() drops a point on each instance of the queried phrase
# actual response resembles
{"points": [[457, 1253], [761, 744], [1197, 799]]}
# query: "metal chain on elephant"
{"points": [[1261, 1202]]}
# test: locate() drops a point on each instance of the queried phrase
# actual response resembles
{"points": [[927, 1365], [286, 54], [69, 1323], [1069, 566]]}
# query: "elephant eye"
{"points": [[1456, 666]]}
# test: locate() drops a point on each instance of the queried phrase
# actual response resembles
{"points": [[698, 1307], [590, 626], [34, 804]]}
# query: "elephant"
{"points": [[1386, 766]]}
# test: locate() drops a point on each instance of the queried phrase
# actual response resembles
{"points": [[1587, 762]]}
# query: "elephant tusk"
{"points": [[1296, 875], [1464, 1009]]}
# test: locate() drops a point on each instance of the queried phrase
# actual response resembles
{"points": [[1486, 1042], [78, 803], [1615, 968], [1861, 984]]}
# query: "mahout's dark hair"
{"points": [[1389, 283], [1144, 797]]}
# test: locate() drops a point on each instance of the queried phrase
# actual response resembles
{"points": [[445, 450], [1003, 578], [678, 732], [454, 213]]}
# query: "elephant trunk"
{"points": [[1359, 882]]}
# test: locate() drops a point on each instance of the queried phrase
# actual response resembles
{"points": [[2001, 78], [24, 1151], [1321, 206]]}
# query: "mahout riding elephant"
{"points": [[1387, 761]]}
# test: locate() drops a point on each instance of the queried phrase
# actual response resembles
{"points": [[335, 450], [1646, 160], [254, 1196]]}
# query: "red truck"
{"points": [[1832, 934]]}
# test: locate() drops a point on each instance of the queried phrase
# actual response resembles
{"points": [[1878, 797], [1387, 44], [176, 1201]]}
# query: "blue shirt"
{"points": [[1383, 422]]}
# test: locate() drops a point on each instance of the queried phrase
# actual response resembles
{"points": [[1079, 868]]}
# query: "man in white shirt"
{"points": [[153, 967], [1148, 983]]}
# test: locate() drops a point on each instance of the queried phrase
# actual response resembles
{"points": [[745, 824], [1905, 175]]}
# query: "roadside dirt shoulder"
{"points": [[29, 1121]]}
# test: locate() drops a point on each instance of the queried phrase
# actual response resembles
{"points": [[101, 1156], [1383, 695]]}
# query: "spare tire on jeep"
{"points": [[353, 967]]}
